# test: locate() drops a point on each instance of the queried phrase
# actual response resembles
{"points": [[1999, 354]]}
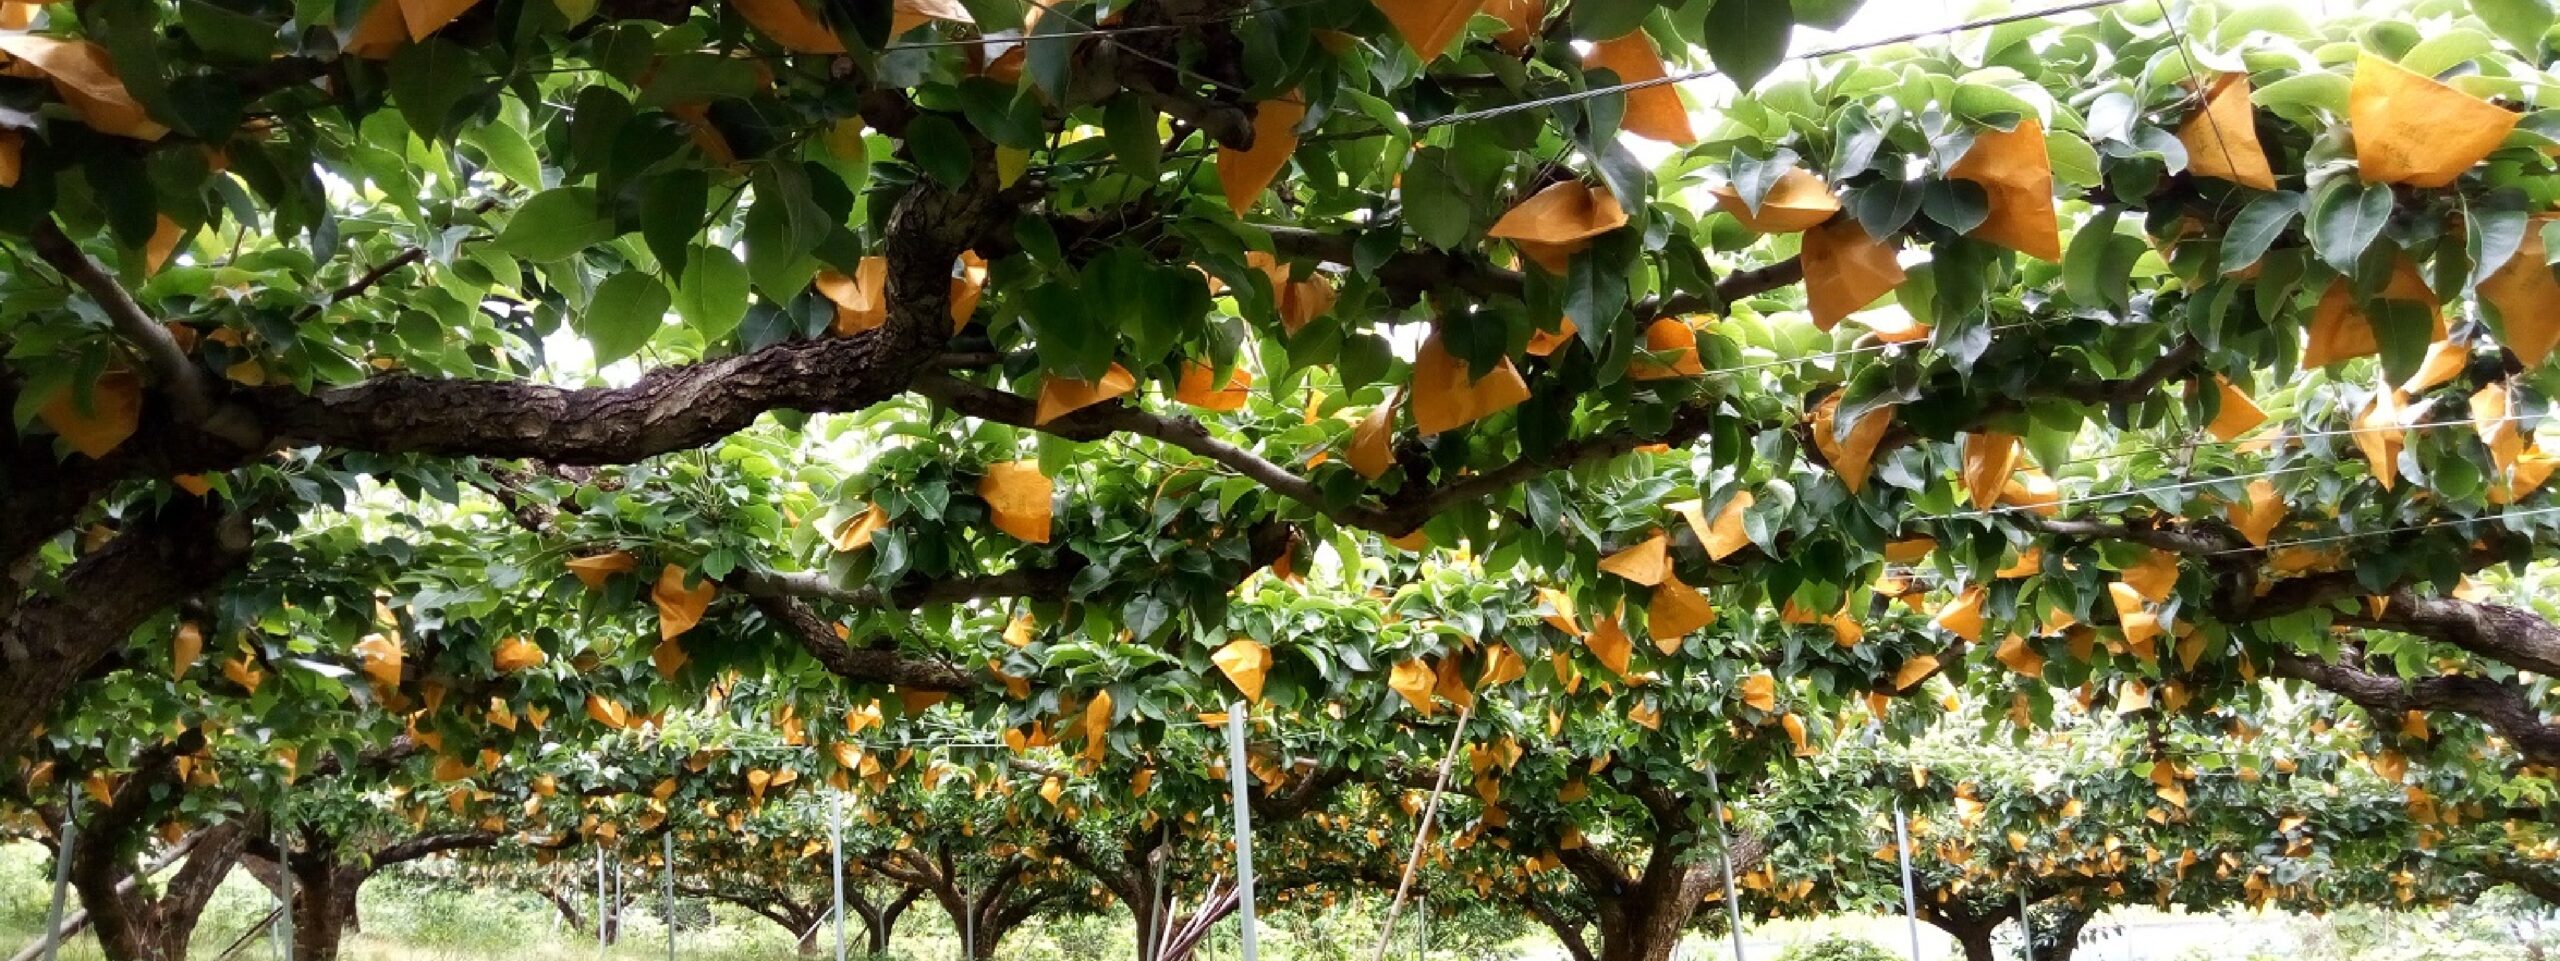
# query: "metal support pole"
{"points": [[2026, 929], [1724, 856], [62, 874], [601, 907], [969, 924], [1910, 904], [284, 881], [1422, 929], [667, 897], [835, 857], [1244, 830]]}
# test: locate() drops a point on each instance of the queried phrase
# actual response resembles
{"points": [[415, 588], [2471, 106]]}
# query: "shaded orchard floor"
{"points": [[414, 918]]}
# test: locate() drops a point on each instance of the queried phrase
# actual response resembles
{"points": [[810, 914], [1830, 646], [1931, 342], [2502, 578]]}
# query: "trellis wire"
{"points": [[1092, 32], [2403, 529], [2304, 435], [2114, 495], [1664, 81], [1594, 92]]}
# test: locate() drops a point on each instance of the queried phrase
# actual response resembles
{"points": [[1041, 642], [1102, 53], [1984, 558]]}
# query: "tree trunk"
{"points": [[879, 927], [1568, 929], [1647, 928], [324, 896], [568, 908], [2058, 934], [1977, 944], [132, 923], [808, 946]]}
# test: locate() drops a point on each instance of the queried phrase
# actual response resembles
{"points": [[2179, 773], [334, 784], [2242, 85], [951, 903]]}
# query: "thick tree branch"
{"points": [[428, 845], [2512, 635], [1103, 420], [190, 391], [2505, 708], [1046, 583], [871, 664], [49, 643]]}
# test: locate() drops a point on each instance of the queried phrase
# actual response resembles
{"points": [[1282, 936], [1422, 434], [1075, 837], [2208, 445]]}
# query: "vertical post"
{"points": [[2026, 929], [667, 896], [969, 924], [1151, 940], [1910, 904], [62, 874], [284, 881], [1244, 830], [1724, 856], [601, 908], [1422, 929], [835, 858]]}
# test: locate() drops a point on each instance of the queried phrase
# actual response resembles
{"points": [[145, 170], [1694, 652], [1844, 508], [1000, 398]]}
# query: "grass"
{"points": [[416, 916]]}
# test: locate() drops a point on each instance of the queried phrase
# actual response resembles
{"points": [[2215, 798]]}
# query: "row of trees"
{"points": [[439, 409]]}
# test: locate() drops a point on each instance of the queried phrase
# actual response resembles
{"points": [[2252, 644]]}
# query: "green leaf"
{"points": [[1754, 176], [1001, 112], [2403, 329], [1960, 205], [782, 229], [2494, 231], [711, 295], [628, 309], [1046, 62], [2257, 226], [672, 208], [2521, 23], [228, 36], [2075, 163], [2445, 49], [1608, 19], [2346, 216], [940, 149], [556, 224], [428, 79], [1886, 205], [1436, 205], [1747, 38], [2317, 89], [506, 151], [1825, 14], [1129, 126], [1855, 135], [2083, 259]]}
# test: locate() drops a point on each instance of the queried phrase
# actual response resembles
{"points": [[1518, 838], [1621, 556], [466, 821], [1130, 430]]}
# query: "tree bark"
{"points": [[1569, 929], [567, 905], [2058, 936], [49, 643], [880, 925], [324, 895], [1641, 918]]}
